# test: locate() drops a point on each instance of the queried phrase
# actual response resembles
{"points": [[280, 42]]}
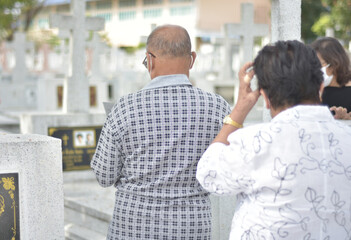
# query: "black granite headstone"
{"points": [[78, 145], [9, 207]]}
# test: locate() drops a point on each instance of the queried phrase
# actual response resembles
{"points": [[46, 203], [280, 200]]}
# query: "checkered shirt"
{"points": [[148, 149]]}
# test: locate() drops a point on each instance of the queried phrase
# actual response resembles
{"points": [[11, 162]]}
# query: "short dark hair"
{"points": [[334, 54], [173, 43], [289, 73]]}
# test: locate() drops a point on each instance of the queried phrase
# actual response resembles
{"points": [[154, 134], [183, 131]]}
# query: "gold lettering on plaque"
{"points": [[2, 205], [65, 139], [9, 185]]}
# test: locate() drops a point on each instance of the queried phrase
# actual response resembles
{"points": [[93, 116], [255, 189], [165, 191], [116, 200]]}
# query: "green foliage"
{"points": [[320, 26], [338, 18], [17, 15], [131, 50], [44, 36], [311, 11]]}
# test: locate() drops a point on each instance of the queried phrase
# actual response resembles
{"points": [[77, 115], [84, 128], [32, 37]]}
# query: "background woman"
{"points": [[337, 76]]}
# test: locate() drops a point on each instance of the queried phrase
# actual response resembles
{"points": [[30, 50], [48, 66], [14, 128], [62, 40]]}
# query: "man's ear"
{"points": [[266, 100], [193, 57], [150, 64]]}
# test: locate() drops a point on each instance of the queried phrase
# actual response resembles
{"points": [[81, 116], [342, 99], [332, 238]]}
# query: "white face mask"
{"points": [[327, 78]]}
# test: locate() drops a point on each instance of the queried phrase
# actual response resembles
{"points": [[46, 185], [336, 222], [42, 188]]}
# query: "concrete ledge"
{"points": [[38, 161], [74, 232], [39, 123]]}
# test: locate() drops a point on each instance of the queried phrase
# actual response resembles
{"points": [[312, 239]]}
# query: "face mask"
{"points": [[327, 79]]}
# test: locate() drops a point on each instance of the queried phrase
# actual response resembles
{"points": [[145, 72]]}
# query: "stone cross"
{"points": [[228, 42], [286, 25], [76, 87], [20, 46], [97, 46], [45, 49], [248, 30], [3, 57], [63, 50]]}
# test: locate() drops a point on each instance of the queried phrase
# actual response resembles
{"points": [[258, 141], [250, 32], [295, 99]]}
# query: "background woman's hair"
{"points": [[289, 73], [334, 54]]}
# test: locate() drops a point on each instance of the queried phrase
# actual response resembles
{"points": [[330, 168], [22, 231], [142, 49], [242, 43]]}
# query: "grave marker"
{"points": [[9, 206], [20, 46], [31, 187], [76, 87], [97, 47], [78, 145], [3, 57], [248, 30]]}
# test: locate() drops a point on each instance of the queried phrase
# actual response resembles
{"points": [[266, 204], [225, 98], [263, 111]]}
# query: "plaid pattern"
{"points": [[149, 148]]}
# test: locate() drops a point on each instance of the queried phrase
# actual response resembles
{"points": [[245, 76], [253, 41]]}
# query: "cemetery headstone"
{"points": [[98, 48], [76, 87], [9, 206], [31, 187], [20, 91], [3, 57], [20, 46], [78, 133], [78, 145], [247, 29]]}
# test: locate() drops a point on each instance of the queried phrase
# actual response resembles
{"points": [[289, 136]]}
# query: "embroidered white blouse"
{"points": [[292, 176]]}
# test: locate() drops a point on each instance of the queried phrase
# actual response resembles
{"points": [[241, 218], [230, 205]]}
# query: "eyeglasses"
{"points": [[145, 59]]}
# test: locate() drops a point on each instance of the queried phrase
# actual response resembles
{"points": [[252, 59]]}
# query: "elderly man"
{"points": [[150, 145]]}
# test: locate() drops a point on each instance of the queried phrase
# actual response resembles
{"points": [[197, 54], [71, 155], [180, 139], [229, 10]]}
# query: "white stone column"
{"points": [[37, 160], [286, 25], [20, 46], [76, 86]]}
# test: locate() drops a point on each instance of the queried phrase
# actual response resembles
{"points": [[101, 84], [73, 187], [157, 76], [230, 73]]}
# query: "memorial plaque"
{"points": [[78, 145], [59, 96], [92, 91], [9, 207]]}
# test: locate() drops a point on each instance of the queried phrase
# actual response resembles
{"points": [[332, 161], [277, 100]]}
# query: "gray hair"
{"points": [[170, 41]]}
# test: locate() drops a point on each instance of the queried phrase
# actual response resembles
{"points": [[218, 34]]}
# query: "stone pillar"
{"points": [[286, 25], [76, 86], [31, 181]]}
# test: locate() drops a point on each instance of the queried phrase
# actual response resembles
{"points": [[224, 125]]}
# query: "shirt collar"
{"points": [[168, 80], [305, 113]]}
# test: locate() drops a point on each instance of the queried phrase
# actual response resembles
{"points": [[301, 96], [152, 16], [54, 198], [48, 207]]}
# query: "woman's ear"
{"points": [[266, 100]]}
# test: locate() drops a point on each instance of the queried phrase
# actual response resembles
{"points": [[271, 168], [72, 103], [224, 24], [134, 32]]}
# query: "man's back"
{"points": [[151, 146]]}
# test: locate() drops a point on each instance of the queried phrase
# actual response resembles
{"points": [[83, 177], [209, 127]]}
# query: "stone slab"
{"points": [[39, 123], [37, 160], [74, 232]]}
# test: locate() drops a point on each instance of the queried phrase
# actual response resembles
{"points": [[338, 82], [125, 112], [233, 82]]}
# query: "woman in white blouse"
{"points": [[292, 175]]}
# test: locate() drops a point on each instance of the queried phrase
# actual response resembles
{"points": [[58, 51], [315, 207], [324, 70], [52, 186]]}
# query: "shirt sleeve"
{"points": [[107, 161], [222, 169]]}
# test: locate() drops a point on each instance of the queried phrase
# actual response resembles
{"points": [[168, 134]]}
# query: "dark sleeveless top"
{"points": [[337, 96]]}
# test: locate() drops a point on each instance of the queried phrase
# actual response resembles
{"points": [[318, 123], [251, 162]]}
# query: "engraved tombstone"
{"points": [[9, 206], [31, 187]]}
